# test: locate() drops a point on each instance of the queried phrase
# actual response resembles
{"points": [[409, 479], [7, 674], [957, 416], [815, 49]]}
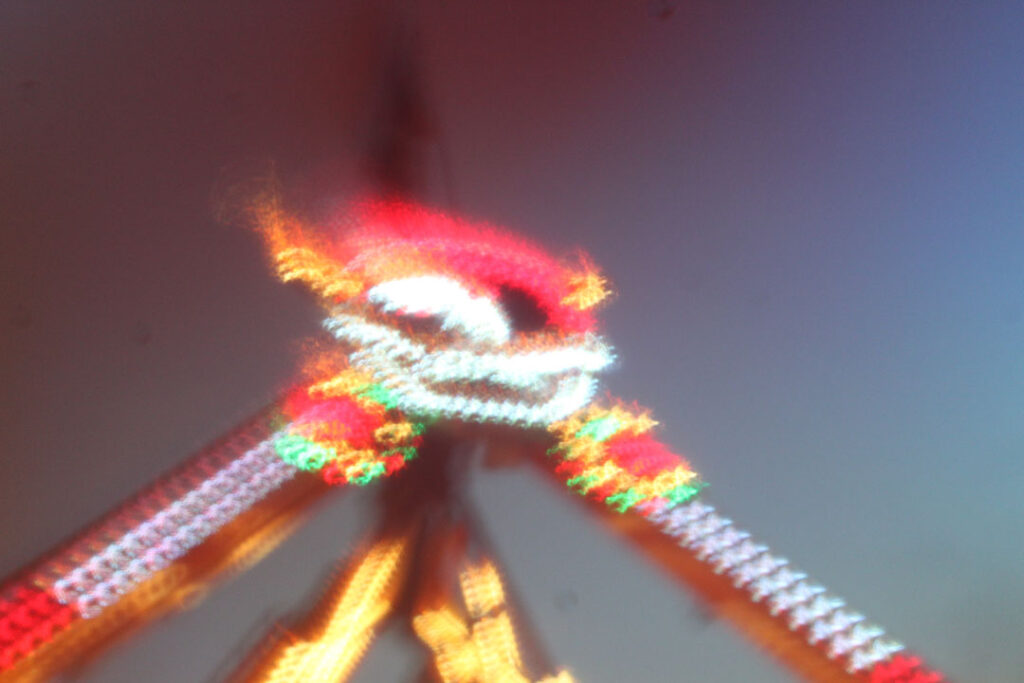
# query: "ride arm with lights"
{"points": [[130, 563], [609, 455], [401, 262], [222, 510]]}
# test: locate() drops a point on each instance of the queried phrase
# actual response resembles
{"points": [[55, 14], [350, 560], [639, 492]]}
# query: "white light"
{"points": [[408, 368], [515, 370], [173, 530], [476, 317]]}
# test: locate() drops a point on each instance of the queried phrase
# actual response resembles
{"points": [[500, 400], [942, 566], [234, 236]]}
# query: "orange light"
{"points": [[634, 423], [588, 290], [482, 590], [348, 625], [324, 276], [485, 649], [345, 383]]}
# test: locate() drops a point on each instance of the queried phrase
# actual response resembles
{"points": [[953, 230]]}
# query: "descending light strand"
{"points": [[822, 618], [354, 609], [484, 649]]}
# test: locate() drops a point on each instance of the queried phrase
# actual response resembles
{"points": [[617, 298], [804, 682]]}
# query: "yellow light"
{"points": [[394, 433], [440, 626], [345, 628], [324, 276], [568, 427], [345, 383], [634, 423], [586, 450], [482, 590], [485, 650], [607, 471], [455, 654], [665, 481], [588, 290], [495, 641]]}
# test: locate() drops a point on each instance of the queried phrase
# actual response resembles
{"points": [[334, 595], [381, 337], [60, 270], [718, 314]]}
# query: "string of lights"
{"points": [[103, 564], [824, 619], [172, 531]]}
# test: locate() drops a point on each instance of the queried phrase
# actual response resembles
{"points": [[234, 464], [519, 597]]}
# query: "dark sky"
{"points": [[812, 212]]}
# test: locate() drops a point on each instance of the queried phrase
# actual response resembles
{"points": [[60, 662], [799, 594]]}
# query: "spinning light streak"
{"points": [[432, 320], [472, 367]]}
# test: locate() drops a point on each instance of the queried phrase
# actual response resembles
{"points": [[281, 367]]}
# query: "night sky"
{"points": [[811, 211]]}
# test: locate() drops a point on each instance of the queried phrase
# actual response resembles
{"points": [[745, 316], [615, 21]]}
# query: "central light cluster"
{"points": [[417, 301], [438, 319], [484, 382], [432, 318]]}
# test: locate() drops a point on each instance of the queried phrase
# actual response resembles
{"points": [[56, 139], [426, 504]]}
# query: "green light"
{"points": [[372, 471], [407, 452], [379, 394], [303, 453], [683, 493], [583, 482], [600, 428], [624, 500]]}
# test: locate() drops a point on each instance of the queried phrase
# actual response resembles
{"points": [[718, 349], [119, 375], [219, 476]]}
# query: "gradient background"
{"points": [[812, 212]]}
